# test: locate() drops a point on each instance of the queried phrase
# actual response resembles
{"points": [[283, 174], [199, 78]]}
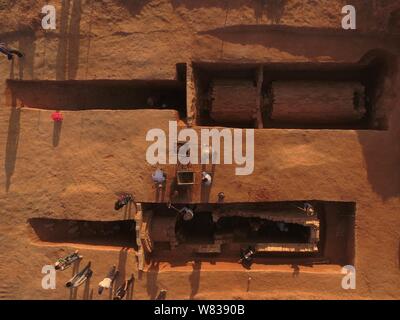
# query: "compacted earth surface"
{"points": [[59, 181]]}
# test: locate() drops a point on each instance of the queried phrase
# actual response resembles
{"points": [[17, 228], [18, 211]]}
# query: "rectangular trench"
{"points": [[277, 230], [92, 233], [75, 95]]}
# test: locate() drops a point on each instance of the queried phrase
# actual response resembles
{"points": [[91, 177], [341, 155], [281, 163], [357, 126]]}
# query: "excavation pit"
{"points": [[262, 230], [77, 95], [96, 233], [291, 95], [278, 230]]}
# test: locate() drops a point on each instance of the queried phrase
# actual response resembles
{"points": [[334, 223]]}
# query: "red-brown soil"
{"points": [[73, 171]]}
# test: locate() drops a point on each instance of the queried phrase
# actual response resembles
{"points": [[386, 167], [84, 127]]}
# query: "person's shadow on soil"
{"points": [[12, 142], [73, 292], [296, 270], [152, 275], [134, 7], [128, 210], [56, 133], [247, 264], [12, 65], [123, 254], [275, 10], [86, 290], [194, 279], [129, 295], [399, 257], [205, 190]]}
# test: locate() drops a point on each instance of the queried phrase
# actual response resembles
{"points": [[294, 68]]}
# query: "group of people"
{"points": [[86, 273], [78, 278], [159, 177], [187, 213]]}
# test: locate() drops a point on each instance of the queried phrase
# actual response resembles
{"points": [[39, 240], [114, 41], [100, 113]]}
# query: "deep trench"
{"points": [[337, 227], [75, 95], [101, 233]]}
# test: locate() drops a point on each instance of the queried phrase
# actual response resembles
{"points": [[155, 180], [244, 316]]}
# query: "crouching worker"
{"points": [[57, 116], [64, 263], [122, 201], [123, 289], [246, 256], [6, 50], [185, 213], [108, 281], [308, 209]]}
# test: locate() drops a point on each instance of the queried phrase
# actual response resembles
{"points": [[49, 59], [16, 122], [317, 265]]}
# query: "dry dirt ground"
{"points": [[73, 173]]}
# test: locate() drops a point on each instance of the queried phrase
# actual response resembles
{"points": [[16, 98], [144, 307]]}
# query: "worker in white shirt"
{"points": [[206, 178]]}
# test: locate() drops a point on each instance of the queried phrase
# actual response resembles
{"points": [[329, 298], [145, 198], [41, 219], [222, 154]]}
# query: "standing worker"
{"points": [[309, 209], [206, 178], [159, 178]]}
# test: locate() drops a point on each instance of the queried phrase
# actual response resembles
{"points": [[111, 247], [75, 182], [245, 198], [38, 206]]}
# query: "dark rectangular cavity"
{"points": [[103, 233], [100, 94]]}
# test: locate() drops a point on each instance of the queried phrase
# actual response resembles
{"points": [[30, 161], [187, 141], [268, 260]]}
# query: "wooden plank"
{"points": [[259, 100]]}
